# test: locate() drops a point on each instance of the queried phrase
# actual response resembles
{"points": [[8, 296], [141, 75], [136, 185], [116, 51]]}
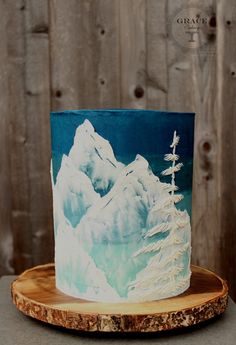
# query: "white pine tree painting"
{"points": [[173, 157], [164, 275], [172, 198]]}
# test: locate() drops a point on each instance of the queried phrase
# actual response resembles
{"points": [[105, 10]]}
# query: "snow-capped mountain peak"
{"points": [[88, 126], [93, 155]]}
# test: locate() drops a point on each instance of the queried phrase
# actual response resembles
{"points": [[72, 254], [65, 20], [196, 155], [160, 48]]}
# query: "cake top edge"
{"points": [[108, 111]]}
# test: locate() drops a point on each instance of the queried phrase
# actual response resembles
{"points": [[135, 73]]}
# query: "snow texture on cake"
{"points": [[118, 233]]}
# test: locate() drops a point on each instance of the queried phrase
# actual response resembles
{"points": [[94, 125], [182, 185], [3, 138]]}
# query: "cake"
{"points": [[122, 182]]}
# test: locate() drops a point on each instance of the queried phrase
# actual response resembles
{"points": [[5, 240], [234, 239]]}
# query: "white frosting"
{"points": [[118, 234]]}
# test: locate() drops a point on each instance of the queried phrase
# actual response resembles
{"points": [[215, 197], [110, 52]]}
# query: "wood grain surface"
{"points": [[34, 293], [227, 112], [207, 145], [6, 232], [58, 54]]}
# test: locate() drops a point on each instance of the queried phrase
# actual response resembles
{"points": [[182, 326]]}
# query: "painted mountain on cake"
{"points": [[93, 155], [118, 225], [75, 191]]}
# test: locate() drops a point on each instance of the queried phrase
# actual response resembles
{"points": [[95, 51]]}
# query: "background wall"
{"points": [[57, 54]]}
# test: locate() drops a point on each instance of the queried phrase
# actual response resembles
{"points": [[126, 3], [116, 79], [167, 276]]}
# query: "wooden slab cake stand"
{"points": [[34, 293]]}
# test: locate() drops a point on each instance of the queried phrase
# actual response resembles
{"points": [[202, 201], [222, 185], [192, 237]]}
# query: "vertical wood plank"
{"points": [[84, 54], [19, 137], [180, 90], [133, 53], [6, 238], [156, 54], [37, 97], [227, 110], [206, 204]]}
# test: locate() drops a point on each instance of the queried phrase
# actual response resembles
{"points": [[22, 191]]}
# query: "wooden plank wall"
{"points": [[57, 54]]}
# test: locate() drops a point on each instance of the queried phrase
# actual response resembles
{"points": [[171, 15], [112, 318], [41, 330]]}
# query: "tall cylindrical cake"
{"points": [[122, 186]]}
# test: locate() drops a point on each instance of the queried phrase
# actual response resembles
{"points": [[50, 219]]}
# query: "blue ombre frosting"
{"points": [[122, 229]]}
